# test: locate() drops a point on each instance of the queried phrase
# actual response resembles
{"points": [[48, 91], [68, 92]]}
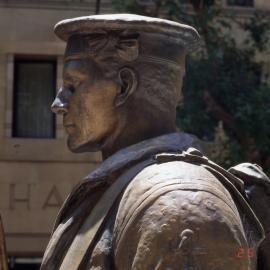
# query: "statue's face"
{"points": [[86, 101]]}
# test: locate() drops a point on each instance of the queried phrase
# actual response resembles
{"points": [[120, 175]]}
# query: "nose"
{"points": [[60, 104]]}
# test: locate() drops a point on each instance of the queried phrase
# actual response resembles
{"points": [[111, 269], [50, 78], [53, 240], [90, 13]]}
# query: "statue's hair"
{"points": [[158, 84]]}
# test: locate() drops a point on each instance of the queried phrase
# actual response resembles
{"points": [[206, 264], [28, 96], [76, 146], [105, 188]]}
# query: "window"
{"points": [[240, 3], [34, 90]]}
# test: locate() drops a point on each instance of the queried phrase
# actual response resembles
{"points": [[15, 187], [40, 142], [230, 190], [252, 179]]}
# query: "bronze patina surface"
{"points": [[155, 202], [3, 253]]}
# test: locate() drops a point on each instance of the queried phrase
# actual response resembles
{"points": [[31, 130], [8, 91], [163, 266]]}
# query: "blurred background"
{"points": [[225, 101]]}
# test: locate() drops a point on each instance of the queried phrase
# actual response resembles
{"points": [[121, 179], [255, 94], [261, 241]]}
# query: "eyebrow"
{"points": [[68, 76], [69, 72]]}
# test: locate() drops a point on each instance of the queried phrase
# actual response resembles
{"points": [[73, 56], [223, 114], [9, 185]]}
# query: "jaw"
{"points": [[106, 140]]}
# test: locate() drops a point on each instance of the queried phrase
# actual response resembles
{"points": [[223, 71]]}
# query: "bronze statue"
{"points": [[3, 252], [155, 202]]}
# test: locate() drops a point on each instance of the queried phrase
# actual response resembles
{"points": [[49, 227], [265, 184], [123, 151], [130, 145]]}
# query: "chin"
{"points": [[89, 146]]}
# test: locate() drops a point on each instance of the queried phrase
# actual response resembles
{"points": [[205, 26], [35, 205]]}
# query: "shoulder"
{"points": [[162, 201], [158, 173], [164, 177], [161, 178], [160, 191]]}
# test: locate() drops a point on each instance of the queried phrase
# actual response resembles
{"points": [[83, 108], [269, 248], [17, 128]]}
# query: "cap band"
{"points": [[112, 44]]}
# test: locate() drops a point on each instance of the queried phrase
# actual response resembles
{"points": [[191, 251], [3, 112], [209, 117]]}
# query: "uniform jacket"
{"points": [[174, 199]]}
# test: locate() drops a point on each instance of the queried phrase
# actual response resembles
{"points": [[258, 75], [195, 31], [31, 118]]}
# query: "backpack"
{"points": [[257, 190]]}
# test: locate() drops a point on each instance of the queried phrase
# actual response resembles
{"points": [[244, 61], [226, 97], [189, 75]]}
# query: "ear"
{"points": [[128, 84]]}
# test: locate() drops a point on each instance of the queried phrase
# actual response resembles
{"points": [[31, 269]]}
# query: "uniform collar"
{"points": [[173, 142], [111, 168]]}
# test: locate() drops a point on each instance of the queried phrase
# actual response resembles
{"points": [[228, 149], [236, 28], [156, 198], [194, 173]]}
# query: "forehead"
{"points": [[74, 64]]}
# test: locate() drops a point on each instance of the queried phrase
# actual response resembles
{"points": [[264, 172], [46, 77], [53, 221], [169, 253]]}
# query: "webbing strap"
{"points": [[94, 221]]}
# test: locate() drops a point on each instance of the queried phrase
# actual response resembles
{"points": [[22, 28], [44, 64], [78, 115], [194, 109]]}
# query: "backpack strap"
{"points": [[95, 220]]}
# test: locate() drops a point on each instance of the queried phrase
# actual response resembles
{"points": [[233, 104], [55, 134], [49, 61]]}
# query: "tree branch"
{"points": [[220, 113]]}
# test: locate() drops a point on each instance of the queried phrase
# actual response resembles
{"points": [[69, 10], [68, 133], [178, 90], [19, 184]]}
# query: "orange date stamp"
{"points": [[244, 252]]}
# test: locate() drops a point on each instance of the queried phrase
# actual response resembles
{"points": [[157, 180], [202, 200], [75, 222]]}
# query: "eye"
{"points": [[73, 86], [71, 89], [72, 83]]}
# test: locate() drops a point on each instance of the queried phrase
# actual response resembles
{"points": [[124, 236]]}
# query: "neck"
{"points": [[128, 138]]}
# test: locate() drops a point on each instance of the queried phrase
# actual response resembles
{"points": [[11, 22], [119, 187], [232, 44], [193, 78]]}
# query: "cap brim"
{"points": [[184, 34]]}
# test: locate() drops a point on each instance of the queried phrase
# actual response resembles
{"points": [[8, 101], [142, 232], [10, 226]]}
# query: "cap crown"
{"points": [[183, 35]]}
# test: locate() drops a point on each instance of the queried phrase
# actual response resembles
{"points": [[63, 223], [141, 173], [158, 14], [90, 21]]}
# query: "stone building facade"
{"points": [[36, 169]]}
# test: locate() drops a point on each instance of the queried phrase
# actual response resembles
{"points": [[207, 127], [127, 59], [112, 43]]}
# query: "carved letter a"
{"points": [[54, 199]]}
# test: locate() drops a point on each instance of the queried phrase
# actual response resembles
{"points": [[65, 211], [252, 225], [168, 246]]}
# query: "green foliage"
{"points": [[224, 82], [127, 6], [258, 29]]}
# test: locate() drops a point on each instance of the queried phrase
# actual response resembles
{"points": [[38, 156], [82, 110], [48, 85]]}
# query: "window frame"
{"points": [[31, 59], [36, 149]]}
